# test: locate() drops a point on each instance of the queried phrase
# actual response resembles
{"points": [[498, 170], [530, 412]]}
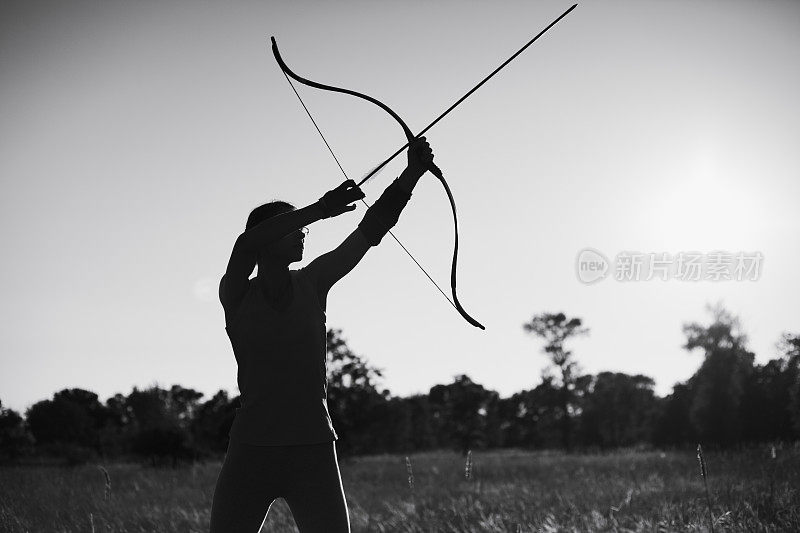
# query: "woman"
{"points": [[282, 442]]}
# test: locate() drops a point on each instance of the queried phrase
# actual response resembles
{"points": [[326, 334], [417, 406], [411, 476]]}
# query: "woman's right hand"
{"points": [[336, 201]]}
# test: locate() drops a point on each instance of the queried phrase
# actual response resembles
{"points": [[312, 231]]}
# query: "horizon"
{"points": [[380, 381]]}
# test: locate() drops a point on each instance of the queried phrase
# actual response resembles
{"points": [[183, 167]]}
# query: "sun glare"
{"points": [[708, 208]]}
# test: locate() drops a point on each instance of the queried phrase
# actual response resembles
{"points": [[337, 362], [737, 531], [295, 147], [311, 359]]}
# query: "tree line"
{"points": [[729, 401]]}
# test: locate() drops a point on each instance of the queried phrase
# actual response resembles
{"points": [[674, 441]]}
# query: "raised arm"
{"points": [[233, 284], [329, 268]]}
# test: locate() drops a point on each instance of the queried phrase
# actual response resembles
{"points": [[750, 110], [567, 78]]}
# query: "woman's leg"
{"points": [[246, 487], [314, 489]]}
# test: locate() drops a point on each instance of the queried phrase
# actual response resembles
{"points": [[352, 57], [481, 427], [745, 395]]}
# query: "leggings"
{"points": [[306, 476]]}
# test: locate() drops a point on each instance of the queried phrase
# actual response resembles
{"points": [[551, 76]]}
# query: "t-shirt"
{"points": [[282, 375]]}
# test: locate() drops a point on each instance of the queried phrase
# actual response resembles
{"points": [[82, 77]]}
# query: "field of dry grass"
{"points": [[506, 491]]}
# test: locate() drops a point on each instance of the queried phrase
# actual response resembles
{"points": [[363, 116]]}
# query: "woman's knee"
{"points": [[316, 498], [242, 498], [320, 513]]}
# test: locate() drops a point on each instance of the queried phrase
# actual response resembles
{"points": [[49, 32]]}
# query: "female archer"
{"points": [[282, 442]]}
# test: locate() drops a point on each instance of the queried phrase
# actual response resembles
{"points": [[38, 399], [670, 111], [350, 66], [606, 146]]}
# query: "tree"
{"points": [[69, 425], [147, 408], [789, 345], [770, 401], [617, 410], [213, 420], [532, 418], [556, 329], [673, 426], [14, 437], [157, 407], [161, 421], [719, 385], [164, 442], [183, 404], [355, 404], [466, 411], [73, 416], [766, 403], [421, 434]]}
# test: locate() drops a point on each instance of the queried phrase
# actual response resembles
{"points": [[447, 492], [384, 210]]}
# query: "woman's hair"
{"points": [[267, 210]]}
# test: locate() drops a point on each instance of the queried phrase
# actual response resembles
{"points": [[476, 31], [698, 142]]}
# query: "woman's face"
{"points": [[288, 249]]}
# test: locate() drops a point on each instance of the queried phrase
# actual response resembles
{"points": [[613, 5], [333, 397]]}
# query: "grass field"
{"points": [[507, 491]]}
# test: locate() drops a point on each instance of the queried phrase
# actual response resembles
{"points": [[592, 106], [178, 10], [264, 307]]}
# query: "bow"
{"points": [[410, 137]]}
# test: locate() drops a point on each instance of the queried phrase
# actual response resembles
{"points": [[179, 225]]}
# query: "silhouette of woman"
{"points": [[282, 442]]}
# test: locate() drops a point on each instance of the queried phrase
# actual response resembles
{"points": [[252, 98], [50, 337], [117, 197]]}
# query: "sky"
{"points": [[135, 138]]}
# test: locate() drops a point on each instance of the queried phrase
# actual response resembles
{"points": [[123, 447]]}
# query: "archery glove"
{"points": [[384, 213], [336, 201]]}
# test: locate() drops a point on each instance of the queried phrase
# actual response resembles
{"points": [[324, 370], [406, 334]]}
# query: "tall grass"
{"points": [[519, 491], [704, 475]]}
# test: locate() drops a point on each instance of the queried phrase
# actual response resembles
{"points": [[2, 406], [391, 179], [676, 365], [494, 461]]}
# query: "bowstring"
{"points": [[362, 200]]}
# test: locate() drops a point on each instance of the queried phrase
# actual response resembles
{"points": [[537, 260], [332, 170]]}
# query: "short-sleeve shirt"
{"points": [[281, 356]]}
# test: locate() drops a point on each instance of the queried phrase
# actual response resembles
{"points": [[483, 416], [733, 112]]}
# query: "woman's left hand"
{"points": [[420, 156]]}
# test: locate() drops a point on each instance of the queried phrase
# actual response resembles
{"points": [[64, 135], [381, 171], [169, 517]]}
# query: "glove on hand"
{"points": [[420, 156], [335, 202]]}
